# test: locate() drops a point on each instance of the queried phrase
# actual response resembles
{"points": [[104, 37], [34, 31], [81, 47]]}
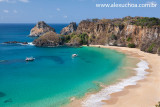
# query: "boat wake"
{"points": [[95, 100]]}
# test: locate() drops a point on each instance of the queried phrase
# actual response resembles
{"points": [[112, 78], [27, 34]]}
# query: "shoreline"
{"points": [[126, 93]]}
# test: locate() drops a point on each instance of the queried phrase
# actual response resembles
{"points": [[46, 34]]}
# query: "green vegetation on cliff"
{"points": [[129, 39], [150, 49], [131, 45], [146, 21], [76, 39]]}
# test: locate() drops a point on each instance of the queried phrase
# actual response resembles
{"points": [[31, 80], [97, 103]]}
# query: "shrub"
{"points": [[146, 21], [67, 38], [80, 39], [150, 49], [131, 45], [84, 38], [129, 39], [75, 40], [91, 38]]}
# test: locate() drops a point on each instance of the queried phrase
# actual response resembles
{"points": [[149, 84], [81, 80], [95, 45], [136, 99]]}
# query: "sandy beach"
{"points": [[145, 93]]}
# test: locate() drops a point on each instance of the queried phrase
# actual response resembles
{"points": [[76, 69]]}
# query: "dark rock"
{"points": [[25, 43], [40, 29], [72, 27], [2, 94], [8, 101], [14, 42]]}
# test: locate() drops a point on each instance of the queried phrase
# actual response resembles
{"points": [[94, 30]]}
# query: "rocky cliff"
{"points": [[72, 27], [140, 32], [133, 32], [40, 29]]}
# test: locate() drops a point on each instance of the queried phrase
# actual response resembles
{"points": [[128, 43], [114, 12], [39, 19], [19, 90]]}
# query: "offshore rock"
{"points": [[48, 39], [40, 29]]}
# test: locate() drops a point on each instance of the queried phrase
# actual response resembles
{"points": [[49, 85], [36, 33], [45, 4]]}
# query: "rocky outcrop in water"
{"points": [[40, 29], [2, 94], [48, 39], [14, 42], [72, 27]]}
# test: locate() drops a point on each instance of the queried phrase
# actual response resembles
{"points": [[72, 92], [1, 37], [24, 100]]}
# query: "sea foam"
{"points": [[95, 99], [30, 43]]}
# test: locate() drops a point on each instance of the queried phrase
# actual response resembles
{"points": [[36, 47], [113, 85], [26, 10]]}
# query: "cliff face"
{"points": [[122, 33], [40, 29], [72, 27], [139, 32]]}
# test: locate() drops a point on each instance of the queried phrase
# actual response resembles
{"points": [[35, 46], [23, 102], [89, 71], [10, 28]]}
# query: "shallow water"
{"points": [[54, 77]]}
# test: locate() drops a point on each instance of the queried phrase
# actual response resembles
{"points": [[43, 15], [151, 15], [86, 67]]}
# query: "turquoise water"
{"points": [[54, 77]]}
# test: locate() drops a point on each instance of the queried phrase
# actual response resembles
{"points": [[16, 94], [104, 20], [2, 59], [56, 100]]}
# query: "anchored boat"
{"points": [[30, 59], [74, 55]]}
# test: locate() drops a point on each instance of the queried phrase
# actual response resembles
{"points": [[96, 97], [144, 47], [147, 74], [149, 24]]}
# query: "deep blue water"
{"points": [[20, 32], [54, 77]]}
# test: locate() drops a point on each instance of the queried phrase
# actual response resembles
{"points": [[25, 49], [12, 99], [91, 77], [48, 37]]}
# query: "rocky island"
{"points": [[40, 29], [133, 32], [48, 39]]}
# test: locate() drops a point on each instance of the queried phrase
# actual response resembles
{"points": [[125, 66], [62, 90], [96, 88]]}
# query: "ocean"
{"points": [[54, 77]]}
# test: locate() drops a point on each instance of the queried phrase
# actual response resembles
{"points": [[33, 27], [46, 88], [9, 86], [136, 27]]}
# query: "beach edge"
{"points": [[128, 92]]}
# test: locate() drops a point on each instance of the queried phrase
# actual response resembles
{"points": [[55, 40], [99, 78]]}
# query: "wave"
{"points": [[29, 43], [95, 100]]}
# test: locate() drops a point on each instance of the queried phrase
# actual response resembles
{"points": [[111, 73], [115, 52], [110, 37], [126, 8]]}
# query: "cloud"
{"points": [[3, 0], [14, 1], [9, 11], [5, 11], [58, 9], [24, 1], [15, 11], [8, 1], [65, 16]]}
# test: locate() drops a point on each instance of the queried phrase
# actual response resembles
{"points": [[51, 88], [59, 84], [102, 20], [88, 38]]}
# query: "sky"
{"points": [[66, 11]]}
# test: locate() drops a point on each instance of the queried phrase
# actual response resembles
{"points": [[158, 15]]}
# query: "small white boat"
{"points": [[74, 55], [30, 59]]}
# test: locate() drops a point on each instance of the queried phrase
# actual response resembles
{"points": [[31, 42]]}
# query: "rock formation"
{"points": [[40, 29], [72, 27], [139, 32], [14, 42], [142, 32], [48, 39]]}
